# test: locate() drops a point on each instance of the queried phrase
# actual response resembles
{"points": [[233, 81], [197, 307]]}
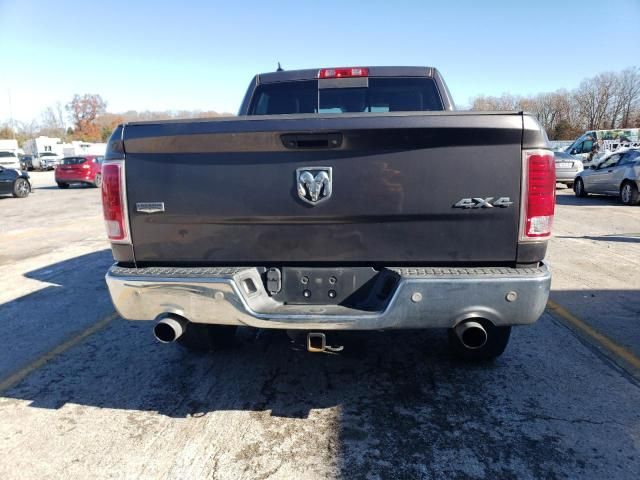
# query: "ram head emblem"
{"points": [[314, 184]]}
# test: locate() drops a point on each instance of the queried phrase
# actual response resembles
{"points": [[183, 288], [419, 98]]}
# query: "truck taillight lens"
{"points": [[343, 72], [114, 203], [538, 194]]}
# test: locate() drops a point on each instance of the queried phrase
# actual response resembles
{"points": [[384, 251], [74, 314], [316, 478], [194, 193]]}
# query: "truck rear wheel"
{"points": [[203, 338], [496, 342]]}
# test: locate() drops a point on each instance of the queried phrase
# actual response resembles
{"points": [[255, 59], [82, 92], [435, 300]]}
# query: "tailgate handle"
{"points": [[312, 140]]}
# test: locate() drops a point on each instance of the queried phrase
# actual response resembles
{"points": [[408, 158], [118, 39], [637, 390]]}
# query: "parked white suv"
{"points": [[9, 160]]}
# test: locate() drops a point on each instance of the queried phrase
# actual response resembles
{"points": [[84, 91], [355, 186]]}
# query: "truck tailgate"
{"points": [[229, 188]]}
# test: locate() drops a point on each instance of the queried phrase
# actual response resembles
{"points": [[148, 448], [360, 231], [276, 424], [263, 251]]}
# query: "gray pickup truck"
{"points": [[338, 199]]}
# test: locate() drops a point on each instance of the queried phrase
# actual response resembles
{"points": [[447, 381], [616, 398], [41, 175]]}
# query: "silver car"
{"points": [[618, 175], [567, 167]]}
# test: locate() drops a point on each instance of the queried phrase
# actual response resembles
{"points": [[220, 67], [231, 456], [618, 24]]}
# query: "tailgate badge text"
{"points": [[150, 207], [480, 202]]}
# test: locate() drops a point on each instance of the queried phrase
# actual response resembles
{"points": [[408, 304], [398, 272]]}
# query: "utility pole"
{"points": [[13, 130]]}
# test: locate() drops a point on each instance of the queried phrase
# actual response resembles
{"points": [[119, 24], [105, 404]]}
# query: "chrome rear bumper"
{"points": [[423, 298]]}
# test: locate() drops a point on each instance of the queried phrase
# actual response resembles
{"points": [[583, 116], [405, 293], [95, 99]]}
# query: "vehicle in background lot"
{"points": [[48, 160], [84, 169], [567, 167], [605, 141], [598, 158], [333, 202], [9, 145], [26, 162], [40, 145], [14, 182], [559, 145], [595, 159], [76, 148], [43, 148], [618, 175], [9, 160]]}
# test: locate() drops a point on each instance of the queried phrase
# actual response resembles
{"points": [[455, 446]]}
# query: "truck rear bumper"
{"points": [[423, 297]]}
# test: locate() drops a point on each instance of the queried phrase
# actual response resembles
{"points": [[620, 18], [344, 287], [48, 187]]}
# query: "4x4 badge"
{"points": [[314, 184], [479, 202]]}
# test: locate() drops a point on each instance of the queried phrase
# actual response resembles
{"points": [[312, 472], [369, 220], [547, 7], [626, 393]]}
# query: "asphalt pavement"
{"points": [[85, 394]]}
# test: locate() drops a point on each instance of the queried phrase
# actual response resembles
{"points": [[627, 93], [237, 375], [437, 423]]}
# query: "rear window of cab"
{"points": [[380, 95]]}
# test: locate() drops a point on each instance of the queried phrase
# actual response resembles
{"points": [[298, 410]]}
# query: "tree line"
{"points": [[607, 101], [85, 117]]}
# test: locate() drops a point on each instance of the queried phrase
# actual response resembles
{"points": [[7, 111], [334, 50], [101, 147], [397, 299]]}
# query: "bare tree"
{"points": [[30, 129], [52, 122], [608, 100], [629, 95], [503, 102], [594, 98]]}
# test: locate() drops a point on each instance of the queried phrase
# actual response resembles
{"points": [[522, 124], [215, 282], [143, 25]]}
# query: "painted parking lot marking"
{"points": [[555, 308], [18, 376], [602, 340]]}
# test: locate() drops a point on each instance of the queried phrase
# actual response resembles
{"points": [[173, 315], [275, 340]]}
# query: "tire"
{"points": [[629, 194], [497, 340], [204, 338], [578, 188], [21, 188], [63, 185], [97, 181]]}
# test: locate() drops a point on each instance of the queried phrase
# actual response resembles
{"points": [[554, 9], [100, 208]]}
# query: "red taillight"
{"points": [[538, 194], [114, 203], [343, 72]]}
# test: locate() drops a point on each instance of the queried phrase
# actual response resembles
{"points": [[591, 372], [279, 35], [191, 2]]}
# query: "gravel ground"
{"points": [[102, 399]]}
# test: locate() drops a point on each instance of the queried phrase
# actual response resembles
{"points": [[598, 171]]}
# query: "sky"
{"points": [[201, 55]]}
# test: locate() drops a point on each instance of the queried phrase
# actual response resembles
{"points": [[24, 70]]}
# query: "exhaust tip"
{"points": [[472, 334], [169, 329]]}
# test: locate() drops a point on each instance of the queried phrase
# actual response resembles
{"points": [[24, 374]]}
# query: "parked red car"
{"points": [[84, 169]]}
